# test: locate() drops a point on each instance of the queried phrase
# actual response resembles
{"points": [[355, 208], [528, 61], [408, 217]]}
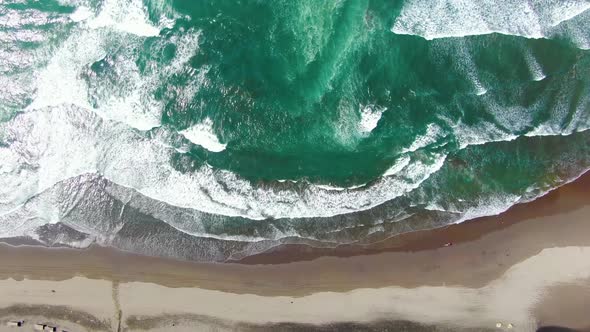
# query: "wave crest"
{"points": [[460, 18]]}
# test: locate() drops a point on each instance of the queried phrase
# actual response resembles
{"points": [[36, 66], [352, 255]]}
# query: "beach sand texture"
{"points": [[529, 269]]}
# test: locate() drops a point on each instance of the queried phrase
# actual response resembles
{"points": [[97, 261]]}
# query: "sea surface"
{"points": [[211, 130]]}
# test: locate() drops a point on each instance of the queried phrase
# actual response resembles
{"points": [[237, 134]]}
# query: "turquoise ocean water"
{"points": [[212, 129]]}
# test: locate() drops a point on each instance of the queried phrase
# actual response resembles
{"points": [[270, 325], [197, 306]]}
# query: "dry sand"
{"points": [[527, 267]]}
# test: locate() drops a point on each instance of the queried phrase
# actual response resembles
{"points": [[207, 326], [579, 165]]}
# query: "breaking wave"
{"points": [[460, 18]]}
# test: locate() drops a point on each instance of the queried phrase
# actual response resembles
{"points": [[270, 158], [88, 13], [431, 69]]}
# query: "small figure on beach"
{"points": [[15, 323]]}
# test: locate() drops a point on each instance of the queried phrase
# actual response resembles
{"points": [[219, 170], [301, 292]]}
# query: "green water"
{"points": [[288, 80], [244, 111]]}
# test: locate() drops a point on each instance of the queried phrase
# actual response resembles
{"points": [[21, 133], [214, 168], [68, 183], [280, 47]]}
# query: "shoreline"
{"points": [[531, 222], [427, 239], [538, 248], [431, 239]]}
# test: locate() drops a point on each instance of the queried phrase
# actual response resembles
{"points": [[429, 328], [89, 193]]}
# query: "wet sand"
{"points": [[522, 267]]}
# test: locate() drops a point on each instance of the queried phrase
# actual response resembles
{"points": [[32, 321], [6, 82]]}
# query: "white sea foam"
{"points": [[54, 138], [223, 237], [376, 229], [23, 19], [475, 207], [131, 99], [576, 30], [126, 16], [507, 120], [19, 223], [433, 133], [534, 66], [203, 134], [81, 13], [328, 187], [370, 116], [28, 169], [398, 166], [490, 206], [561, 112], [433, 19], [460, 53], [59, 83], [479, 134]]}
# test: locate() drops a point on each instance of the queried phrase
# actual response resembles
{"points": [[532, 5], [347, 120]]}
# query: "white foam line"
{"points": [[432, 19], [223, 237], [497, 205], [328, 187], [433, 132], [398, 166], [573, 179], [534, 66]]}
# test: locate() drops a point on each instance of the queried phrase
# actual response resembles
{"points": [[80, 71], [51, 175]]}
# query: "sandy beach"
{"points": [[521, 270]]}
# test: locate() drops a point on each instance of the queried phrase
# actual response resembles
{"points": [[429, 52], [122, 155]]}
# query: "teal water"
{"points": [[228, 127]]}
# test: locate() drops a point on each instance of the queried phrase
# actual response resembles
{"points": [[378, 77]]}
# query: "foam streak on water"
{"points": [[202, 134]]}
